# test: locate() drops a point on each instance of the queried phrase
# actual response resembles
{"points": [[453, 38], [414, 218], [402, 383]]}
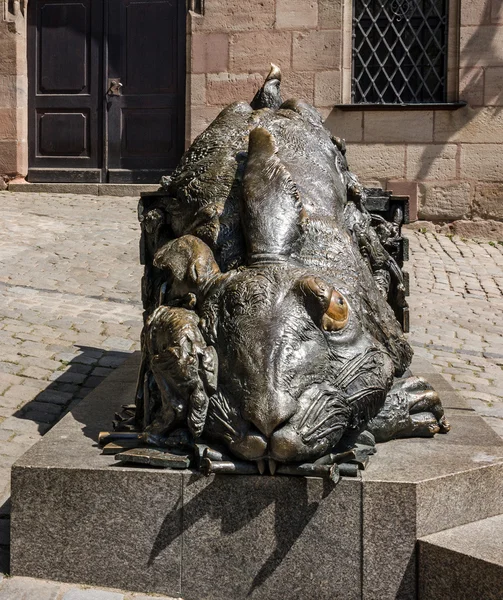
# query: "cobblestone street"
{"points": [[70, 313], [457, 316]]}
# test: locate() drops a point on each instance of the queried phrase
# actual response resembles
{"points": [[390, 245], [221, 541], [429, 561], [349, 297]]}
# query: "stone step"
{"points": [[463, 563], [91, 189]]}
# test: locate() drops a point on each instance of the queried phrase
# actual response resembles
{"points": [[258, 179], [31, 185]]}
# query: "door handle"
{"points": [[114, 87]]}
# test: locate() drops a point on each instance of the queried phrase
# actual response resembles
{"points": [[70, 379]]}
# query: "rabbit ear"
{"points": [[272, 210], [269, 95]]}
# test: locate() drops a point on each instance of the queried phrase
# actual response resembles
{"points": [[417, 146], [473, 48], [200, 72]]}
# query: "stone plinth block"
{"points": [[80, 517]]}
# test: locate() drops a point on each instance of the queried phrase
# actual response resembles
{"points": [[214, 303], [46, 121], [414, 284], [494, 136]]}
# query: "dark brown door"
{"points": [[81, 126], [146, 88], [65, 90]]}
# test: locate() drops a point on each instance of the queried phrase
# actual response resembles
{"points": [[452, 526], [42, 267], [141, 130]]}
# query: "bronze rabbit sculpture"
{"points": [[269, 333]]}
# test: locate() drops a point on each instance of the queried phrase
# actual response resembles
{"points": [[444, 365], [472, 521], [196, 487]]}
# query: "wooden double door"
{"points": [[106, 89]]}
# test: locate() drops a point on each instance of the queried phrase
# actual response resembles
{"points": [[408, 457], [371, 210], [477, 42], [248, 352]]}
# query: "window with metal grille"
{"points": [[399, 51]]}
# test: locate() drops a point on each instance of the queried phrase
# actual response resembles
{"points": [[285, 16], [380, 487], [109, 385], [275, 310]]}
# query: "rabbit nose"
{"points": [[272, 412]]}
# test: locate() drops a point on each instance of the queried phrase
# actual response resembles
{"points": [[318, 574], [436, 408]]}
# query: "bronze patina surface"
{"points": [[270, 297]]}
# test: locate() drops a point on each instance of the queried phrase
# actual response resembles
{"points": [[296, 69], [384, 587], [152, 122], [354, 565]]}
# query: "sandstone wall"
{"points": [[449, 162], [232, 45], [13, 91]]}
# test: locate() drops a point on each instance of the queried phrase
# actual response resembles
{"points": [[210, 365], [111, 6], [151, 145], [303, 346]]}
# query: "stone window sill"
{"points": [[400, 107]]}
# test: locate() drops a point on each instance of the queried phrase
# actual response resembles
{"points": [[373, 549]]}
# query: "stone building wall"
{"points": [[449, 161], [13, 87], [232, 45]]}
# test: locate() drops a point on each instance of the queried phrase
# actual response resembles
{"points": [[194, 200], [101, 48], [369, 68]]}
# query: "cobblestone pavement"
{"points": [[457, 316], [70, 313]]}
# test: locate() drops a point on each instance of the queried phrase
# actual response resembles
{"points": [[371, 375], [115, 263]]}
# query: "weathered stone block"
{"points": [[330, 14], [318, 50], [377, 161], [198, 89], [254, 51], [493, 89], [225, 16], [414, 487], [8, 61], [210, 52], [327, 88], [8, 91], [475, 13], [78, 516], [387, 523], [481, 46], [405, 188], [298, 84], [472, 125], [296, 14], [387, 126], [8, 157], [471, 86], [224, 88], [496, 12], [346, 125], [445, 201], [201, 117], [488, 201], [479, 229], [8, 123], [100, 504], [481, 162], [427, 162]]}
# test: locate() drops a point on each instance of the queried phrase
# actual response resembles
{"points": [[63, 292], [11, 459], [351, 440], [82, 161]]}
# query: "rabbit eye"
{"points": [[337, 314], [327, 306]]}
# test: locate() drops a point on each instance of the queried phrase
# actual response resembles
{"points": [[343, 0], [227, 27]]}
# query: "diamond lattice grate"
{"points": [[399, 51]]}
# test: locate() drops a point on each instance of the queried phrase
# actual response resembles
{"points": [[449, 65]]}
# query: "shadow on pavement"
{"points": [[82, 375]]}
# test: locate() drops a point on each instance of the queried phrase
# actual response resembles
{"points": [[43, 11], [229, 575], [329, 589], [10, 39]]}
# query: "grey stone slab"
{"points": [[77, 594], [69, 444], [439, 383], [97, 527], [389, 539], [420, 365], [471, 444], [460, 498], [271, 537], [126, 189], [24, 588], [463, 563], [468, 429], [450, 398], [480, 539], [55, 188]]}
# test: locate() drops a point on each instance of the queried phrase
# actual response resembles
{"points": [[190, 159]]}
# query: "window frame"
{"points": [[452, 101]]}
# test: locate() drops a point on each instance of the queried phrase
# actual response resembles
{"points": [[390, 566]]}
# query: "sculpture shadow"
{"points": [[209, 508], [80, 377]]}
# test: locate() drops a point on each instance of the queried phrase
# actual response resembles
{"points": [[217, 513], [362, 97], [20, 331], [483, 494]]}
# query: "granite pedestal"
{"points": [[78, 516]]}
